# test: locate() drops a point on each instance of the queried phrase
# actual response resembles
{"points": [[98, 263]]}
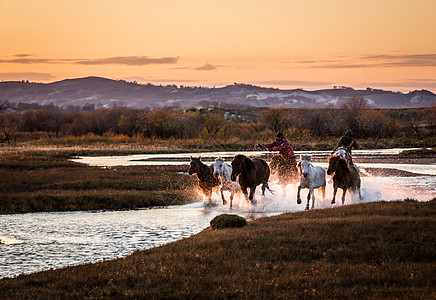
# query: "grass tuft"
{"points": [[227, 221]]}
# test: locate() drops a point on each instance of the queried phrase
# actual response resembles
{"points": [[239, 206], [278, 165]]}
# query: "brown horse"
{"points": [[206, 180], [251, 172], [286, 170], [344, 176]]}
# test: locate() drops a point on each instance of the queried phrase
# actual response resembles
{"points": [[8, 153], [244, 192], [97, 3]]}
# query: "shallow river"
{"points": [[35, 242]]}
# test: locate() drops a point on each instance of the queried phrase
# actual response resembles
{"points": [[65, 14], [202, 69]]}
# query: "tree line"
{"points": [[217, 123]]}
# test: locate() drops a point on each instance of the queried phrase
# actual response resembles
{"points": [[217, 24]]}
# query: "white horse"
{"points": [[224, 170], [311, 178]]}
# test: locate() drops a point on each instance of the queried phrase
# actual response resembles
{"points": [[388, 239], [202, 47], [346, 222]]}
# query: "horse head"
{"points": [[195, 165], [240, 164], [337, 163], [218, 167], [304, 165]]}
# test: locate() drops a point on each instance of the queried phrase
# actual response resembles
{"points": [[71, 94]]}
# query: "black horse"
{"points": [[251, 173]]}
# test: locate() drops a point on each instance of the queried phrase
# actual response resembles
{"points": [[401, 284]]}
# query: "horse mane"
{"points": [[342, 162], [246, 162]]}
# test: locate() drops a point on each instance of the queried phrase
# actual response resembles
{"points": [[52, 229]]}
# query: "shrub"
{"points": [[227, 221]]}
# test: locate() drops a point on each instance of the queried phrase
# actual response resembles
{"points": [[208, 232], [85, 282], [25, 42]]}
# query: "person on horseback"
{"points": [[348, 143], [282, 145]]}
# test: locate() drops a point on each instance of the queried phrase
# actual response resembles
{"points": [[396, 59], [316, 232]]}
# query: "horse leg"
{"points": [[222, 195], [323, 192], [244, 191], [360, 195], [343, 195], [335, 189], [251, 197], [298, 195], [313, 199], [231, 198], [308, 197]]}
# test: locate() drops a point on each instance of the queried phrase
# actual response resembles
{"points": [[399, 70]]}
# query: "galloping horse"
{"points": [[223, 170], [310, 178], [345, 176], [251, 172], [206, 180], [286, 171]]}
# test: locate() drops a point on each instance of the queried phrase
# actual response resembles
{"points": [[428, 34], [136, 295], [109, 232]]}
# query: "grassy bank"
{"points": [[37, 181], [120, 144], [374, 250]]}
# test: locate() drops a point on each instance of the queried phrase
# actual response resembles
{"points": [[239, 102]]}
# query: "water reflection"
{"points": [[41, 241]]}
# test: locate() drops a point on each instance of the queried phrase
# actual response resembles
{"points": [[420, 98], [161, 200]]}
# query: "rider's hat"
{"points": [[349, 132], [279, 134]]}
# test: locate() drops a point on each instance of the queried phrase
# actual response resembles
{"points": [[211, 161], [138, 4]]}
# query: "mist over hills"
{"points": [[107, 93]]}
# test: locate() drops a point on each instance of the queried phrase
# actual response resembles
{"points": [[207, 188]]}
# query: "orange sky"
{"points": [[311, 44]]}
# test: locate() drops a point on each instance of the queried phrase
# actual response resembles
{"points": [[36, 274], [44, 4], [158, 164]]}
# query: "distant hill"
{"points": [[107, 93]]}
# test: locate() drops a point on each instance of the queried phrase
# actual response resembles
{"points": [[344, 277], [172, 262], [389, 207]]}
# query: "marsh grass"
{"points": [[374, 250], [46, 181]]}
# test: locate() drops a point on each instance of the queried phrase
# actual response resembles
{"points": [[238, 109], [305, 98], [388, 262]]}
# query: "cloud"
{"points": [[206, 67], [27, 61], [128, 60], [22, 55], [118, 60], [32, 76], [374, 61]]}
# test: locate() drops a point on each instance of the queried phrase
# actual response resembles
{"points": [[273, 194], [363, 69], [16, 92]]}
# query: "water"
{"points": [[183, 158], [36, 242], [40, 241]]}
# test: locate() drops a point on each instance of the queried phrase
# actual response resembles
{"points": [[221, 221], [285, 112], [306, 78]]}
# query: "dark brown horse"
{"points": [[285, 170], [344, 176], [251, 172], [206, 180]]}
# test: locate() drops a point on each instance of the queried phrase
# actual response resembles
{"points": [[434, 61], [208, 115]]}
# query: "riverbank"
{"points": [[372, 250], [45, 180]]}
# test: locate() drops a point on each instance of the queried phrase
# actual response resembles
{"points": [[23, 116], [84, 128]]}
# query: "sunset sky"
{"points": [[311, 44]]}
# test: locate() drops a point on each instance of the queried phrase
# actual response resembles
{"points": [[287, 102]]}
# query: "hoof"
{"points": [[253, 202], [298, 201], [333, 202], [224, 202], [307, 207]]}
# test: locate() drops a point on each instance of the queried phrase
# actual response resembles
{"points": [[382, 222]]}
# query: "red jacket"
{"points": [[284, 148]]}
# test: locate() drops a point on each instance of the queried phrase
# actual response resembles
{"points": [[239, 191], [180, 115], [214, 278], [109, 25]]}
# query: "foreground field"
{"points": [[373, 250]]}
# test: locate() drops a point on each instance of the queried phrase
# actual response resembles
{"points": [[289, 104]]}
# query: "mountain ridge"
{"points": [[107, 93]]}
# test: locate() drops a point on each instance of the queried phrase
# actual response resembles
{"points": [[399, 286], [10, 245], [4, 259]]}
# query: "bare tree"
{"points": [[5, 133]]}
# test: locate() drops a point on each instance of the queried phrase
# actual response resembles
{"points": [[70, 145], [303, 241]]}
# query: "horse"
{"points": [[250, 173], [224, 170], [345, 176], [311, 178], [286, 170], [206, 180]]}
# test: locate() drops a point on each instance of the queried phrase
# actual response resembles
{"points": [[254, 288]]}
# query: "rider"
{"points": [[347, 142], [282, 145]]}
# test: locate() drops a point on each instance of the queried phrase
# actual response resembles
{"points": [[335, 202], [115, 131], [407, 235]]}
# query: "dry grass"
{"points": [[47, 181], [375, 250]]}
